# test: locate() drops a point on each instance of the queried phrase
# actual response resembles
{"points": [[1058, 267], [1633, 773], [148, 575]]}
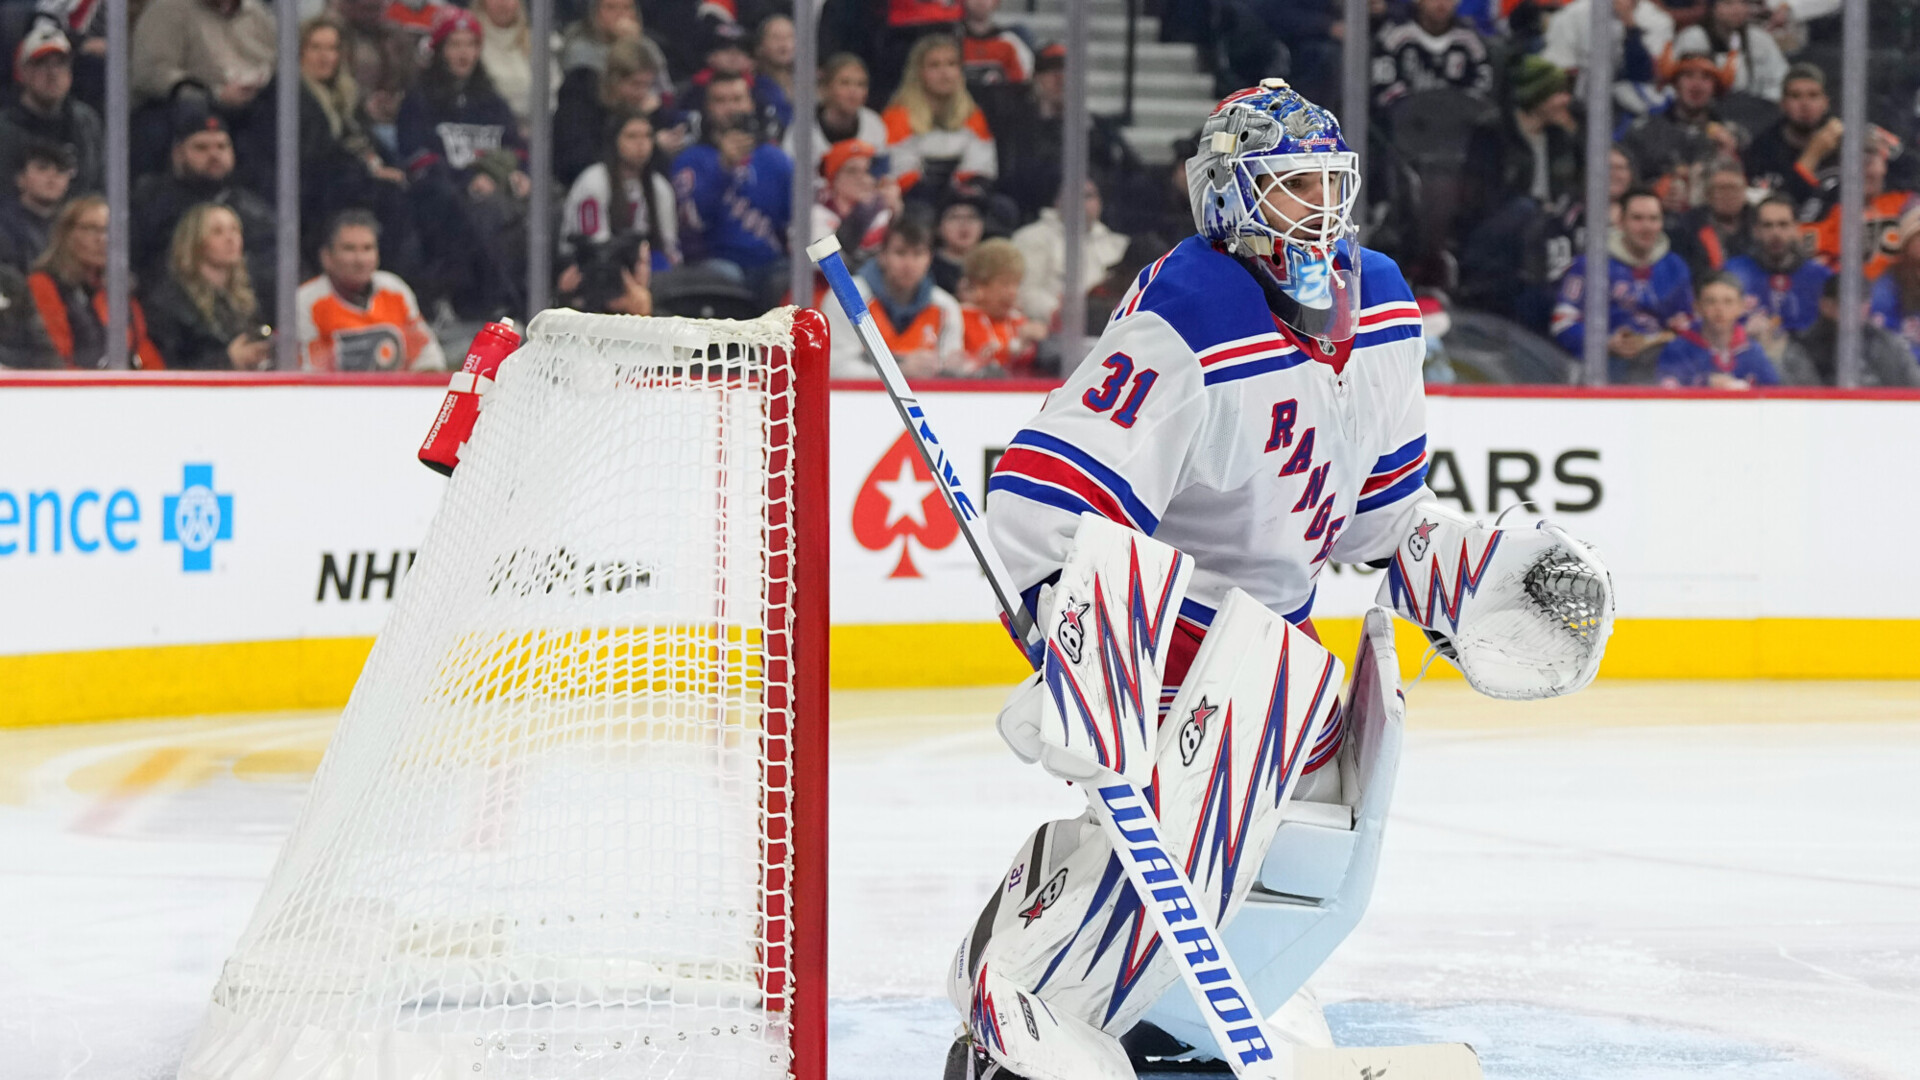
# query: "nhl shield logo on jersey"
{"points": [[1071, 632], [1193, 731], [1421, 538], [1044, 898]]}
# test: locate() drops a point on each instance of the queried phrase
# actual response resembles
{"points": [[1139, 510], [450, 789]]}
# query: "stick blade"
{"points": [[1431, 1061]]}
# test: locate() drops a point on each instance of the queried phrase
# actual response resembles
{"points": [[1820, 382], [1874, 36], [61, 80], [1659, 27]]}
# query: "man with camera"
{"points": [[732, 188]]}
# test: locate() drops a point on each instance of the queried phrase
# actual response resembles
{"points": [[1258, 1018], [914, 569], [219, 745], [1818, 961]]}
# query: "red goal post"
{"points": [[574, 820]]}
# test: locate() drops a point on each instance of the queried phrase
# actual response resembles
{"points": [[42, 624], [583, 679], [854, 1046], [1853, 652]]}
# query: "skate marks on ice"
{"points": [[890, 1038]]}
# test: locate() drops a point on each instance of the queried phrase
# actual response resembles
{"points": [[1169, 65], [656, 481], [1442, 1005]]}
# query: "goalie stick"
{"points": [[825, 254], [1123, 810]]}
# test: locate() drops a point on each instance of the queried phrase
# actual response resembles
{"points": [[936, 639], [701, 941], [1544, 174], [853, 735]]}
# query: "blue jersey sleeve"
{"points": [[1569, 319], [1756, 368]]}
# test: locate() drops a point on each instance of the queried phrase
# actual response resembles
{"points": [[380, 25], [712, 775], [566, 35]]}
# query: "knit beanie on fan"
{"points": [[1534, 80]]}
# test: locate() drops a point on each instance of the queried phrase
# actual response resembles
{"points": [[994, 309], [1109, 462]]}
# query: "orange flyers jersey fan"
{"points": [[387, 334], [997, 57], [969, 147], [990, 342]]}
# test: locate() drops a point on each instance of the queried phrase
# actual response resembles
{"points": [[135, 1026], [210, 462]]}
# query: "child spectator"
{"points": [[1812, 356], [506, 51], [630, 82], [842, 113], [734, 192], [1750, 61], [993, 55], [44, 109], [854, 205], [1650, 293], [356, 316], [1782, 285], [1715, 351], [625, 198], [340, 167], [1895, 302], [204, 314], [1879, 217], [773, 49], [996, 338], [1707, 235], [936, 135], [23, 338], [69, 286], [464, 157], [1431, 49], [26, 221], [919, 320], [202, 171], [1044, 246], [963, 223]]}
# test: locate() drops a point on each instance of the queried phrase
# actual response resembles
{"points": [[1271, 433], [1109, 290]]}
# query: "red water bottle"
{"points": [[441, 451]]}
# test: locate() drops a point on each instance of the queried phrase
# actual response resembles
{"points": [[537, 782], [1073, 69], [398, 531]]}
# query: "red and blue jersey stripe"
{"points": [[1053, 472], [1395, 476]]}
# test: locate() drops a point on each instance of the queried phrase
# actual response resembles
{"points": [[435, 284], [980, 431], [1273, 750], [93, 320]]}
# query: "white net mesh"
{"points": [[551, 835]]}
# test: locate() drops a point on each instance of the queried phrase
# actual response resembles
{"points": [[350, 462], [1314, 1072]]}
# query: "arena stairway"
{"points": [[1171, 92]]}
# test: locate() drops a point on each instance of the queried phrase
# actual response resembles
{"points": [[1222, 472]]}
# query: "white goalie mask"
{"points": [[1274, 182]]}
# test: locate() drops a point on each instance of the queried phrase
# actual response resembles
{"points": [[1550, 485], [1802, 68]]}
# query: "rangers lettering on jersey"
{"points": [[1201, 420]]}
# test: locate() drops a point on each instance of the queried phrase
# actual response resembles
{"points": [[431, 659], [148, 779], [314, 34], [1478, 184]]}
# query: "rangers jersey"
{"points": [[1790, 297], [1202, 420]]}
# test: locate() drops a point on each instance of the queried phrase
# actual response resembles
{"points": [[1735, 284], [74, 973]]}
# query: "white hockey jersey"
{"points": [[1199, 419]]}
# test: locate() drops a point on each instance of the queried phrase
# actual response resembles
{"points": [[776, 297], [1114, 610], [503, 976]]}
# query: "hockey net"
{"points": [[558, 830]]}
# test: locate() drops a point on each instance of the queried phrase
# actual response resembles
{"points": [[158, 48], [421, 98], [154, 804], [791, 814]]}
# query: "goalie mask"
{"points": [[1274, 183]]}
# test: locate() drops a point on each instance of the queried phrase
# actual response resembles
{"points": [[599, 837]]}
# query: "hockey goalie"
{"points": [[1254, 406]]}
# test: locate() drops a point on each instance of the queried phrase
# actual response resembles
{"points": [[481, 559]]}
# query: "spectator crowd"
{"points": [[937, 144]]}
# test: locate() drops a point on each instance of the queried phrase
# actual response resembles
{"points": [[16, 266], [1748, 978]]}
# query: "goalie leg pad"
{"points": [[1319, 872], [1065, 923], [1030, 1040]]}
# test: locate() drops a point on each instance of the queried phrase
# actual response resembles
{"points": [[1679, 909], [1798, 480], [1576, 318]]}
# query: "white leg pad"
{"points": [[1064, 923], [1318, 875], [1037, 1042]]}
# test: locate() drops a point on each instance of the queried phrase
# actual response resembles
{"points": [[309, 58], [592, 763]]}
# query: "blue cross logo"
{"points": [[196, 518]]}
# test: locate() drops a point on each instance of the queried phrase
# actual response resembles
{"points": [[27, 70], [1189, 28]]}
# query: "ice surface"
{"points": [[1607, 895]]}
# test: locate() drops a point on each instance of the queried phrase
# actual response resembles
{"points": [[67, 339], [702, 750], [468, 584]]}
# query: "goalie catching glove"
{"points": [[1523, 611]]}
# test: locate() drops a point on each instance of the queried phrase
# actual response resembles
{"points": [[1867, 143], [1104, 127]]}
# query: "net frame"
{"points": [[783, 683]]}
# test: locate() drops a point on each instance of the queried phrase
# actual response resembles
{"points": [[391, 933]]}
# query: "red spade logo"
{"points": [[900, 501]]}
